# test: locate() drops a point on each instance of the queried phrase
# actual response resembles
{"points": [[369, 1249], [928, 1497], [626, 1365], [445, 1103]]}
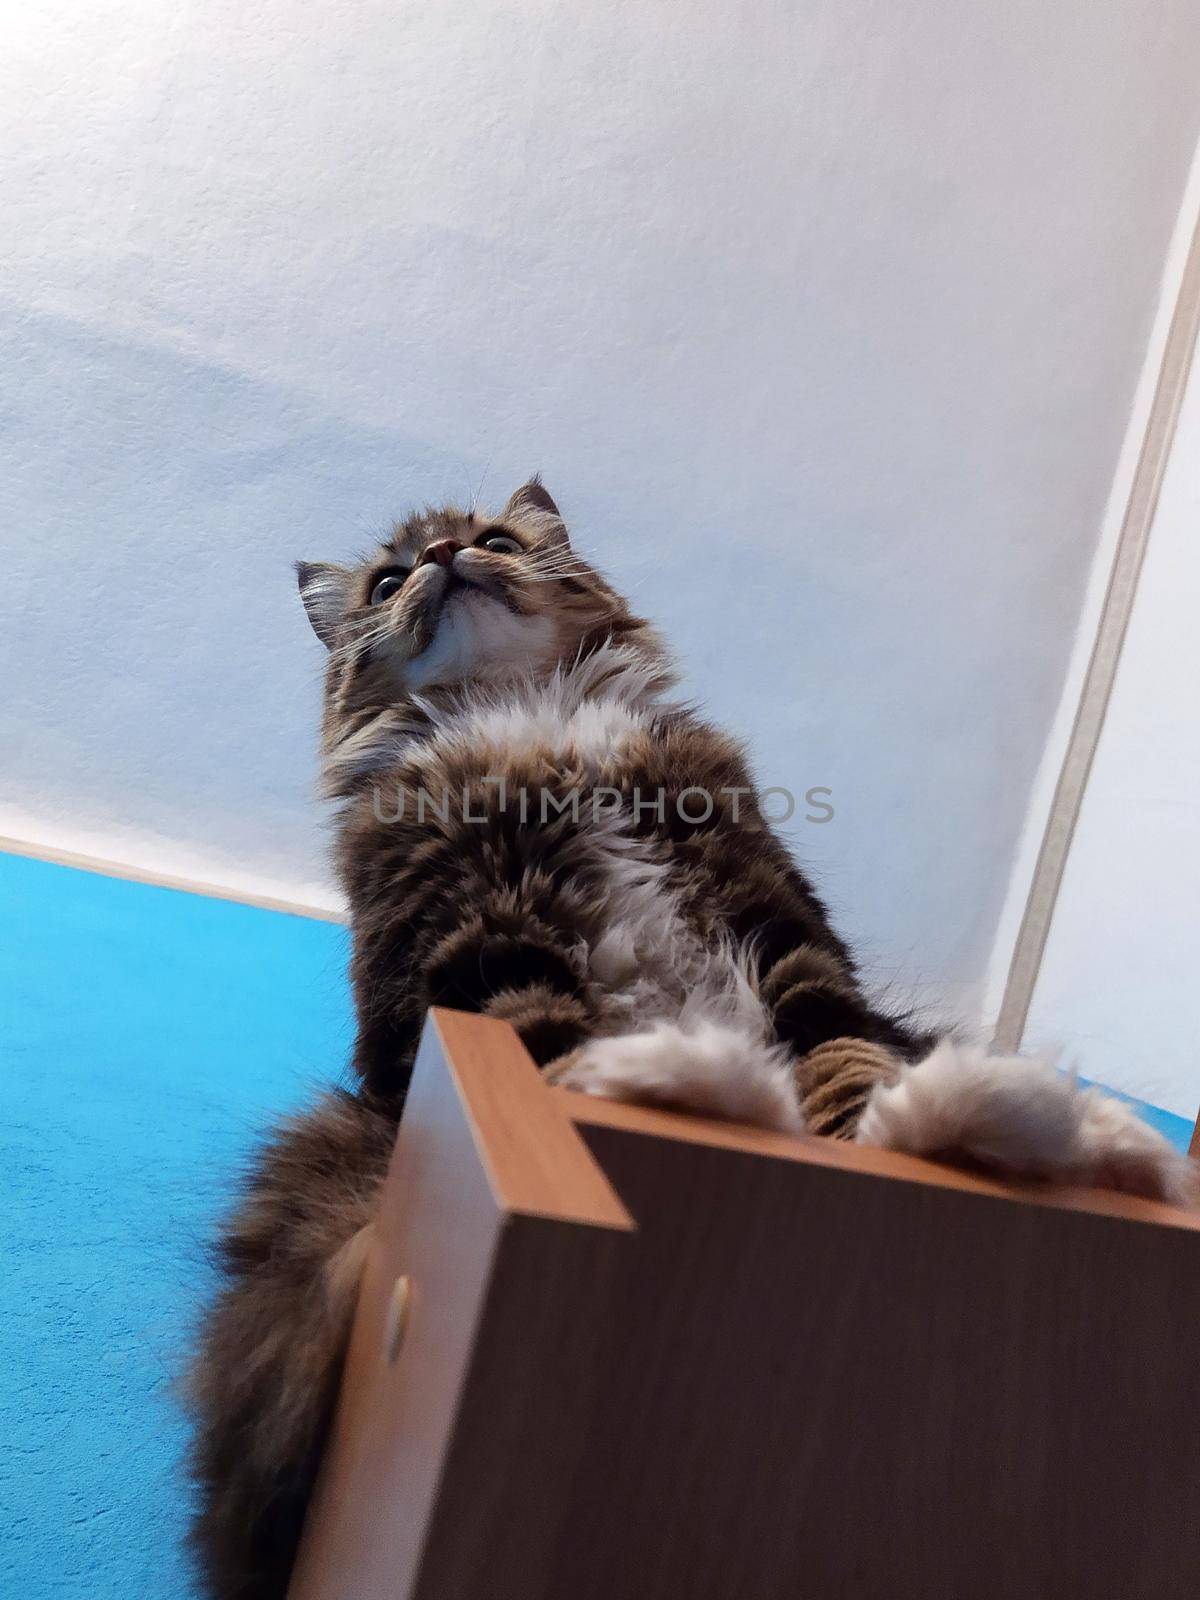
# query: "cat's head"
{"points": [[459, 597]]}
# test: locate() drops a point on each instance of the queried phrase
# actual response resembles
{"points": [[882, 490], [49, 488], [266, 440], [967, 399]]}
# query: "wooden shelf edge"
{"points": [[526, 1133], [863, 1160], [536, 1162]]}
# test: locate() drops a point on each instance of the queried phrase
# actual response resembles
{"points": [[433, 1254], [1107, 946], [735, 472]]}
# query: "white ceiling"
{"points": [[821, 321]]}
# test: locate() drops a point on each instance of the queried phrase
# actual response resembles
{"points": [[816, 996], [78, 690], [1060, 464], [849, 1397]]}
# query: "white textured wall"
{"points": [[1119, 987], [822, 321]]}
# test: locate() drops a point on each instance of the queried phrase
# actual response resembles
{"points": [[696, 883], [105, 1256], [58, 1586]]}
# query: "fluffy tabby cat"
{"points": [[641, 947]]}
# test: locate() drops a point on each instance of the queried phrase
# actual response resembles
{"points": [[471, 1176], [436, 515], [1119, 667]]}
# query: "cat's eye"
{"points": [[502, 545], [388, 585]]}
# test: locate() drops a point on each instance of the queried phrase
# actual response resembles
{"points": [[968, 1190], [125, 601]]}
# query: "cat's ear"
{"points": [[532, 507], [531, 496], [325, 590]]}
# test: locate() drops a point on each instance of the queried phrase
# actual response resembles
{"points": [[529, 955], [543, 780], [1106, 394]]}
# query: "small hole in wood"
{"points": [[397, 1317]]}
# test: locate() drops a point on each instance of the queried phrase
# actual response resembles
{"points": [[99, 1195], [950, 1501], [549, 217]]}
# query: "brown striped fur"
{"points": [[516, 916]]}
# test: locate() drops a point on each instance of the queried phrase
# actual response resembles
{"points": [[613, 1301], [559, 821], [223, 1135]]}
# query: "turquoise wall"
{"points": [[147, 1036]]}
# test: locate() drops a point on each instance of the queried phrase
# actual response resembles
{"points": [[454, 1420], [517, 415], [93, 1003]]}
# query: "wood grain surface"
{"points": [[808, 1373], [455, 1185]]}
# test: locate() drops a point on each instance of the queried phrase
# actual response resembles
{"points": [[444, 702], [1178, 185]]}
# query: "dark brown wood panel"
{"points": [[809, 1373]]}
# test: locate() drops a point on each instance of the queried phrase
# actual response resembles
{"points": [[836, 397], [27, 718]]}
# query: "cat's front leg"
{"points": [[1019, 1116]]}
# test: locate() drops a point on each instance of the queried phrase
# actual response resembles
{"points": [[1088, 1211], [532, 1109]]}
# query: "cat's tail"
{"points": [[263, 1383]]}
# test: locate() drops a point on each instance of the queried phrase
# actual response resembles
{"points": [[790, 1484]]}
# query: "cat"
{"points": [[531, 826]]}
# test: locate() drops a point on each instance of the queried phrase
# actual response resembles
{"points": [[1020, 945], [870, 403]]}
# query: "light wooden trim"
{"points": [[482, 1166], [127, 872], [1030, 945], [652, 1121], [536, 1162], [525, 1135]]}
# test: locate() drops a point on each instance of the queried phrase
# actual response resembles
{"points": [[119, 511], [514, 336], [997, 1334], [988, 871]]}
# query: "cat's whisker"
{"points": [[554, 561], [554, 552], [352, 647], [551, 570], [482, 479], [364, 641]]}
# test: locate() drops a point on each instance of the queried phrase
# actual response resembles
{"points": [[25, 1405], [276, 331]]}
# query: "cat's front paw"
{"points": [[1120, 1151], [711, 1069], [1021, 1117]]}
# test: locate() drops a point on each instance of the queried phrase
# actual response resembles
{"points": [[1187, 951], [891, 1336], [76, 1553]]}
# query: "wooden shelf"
{"points": [[642, 1356]]}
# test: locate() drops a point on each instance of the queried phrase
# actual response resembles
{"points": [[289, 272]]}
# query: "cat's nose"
{"points": [[443, 552]]}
